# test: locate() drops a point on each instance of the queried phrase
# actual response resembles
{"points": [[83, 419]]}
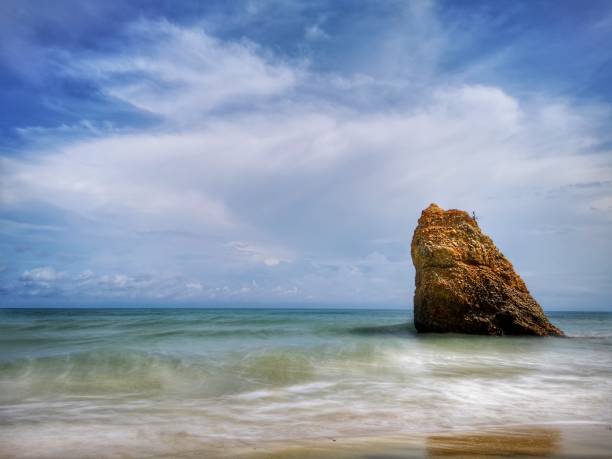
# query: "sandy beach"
{"points": [[552, 441], [580, 440]]}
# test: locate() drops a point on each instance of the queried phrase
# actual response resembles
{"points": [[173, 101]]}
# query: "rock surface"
{"points": [[465, 285]]}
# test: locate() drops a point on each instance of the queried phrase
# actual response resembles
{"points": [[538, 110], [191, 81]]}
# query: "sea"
{"points": [[232, 382]]}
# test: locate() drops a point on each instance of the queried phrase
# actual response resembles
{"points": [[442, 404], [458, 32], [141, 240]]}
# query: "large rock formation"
{"points": [[464, 284]]}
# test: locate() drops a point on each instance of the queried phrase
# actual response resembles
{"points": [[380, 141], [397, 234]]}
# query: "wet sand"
{"points": [[584, 440], [551, 441]]}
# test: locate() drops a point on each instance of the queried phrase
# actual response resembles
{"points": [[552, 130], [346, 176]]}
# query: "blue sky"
{"points": [[279, 152]]}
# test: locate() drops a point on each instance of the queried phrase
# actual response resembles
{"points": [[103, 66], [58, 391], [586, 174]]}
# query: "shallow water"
{"points": [[153, 382]]}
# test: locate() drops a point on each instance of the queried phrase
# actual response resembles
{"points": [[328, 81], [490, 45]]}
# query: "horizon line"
{"points": [[257, 307]]}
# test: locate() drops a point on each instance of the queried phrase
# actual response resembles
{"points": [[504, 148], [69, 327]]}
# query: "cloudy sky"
{"points": [[275, 152]]}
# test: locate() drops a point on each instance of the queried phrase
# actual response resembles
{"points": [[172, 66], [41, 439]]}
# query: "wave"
{"points": [[394, 330], [590, 335], [94, 372], [102, 372]]}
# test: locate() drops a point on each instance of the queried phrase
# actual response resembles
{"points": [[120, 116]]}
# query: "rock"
{"points": [[464, 284]]}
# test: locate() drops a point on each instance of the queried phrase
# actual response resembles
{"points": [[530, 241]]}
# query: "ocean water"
{"points": [[155, 382]]}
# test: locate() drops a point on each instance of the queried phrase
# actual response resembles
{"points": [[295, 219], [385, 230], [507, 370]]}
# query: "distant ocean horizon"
{"points": [[132, 382], [265, 306]]}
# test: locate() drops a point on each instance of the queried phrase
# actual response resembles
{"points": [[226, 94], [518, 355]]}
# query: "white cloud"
{"points": [[315, 32], [44, 274], [320, 178], [271, 261], [84, 275], [269, 256], [181, 73], [199, 178]]}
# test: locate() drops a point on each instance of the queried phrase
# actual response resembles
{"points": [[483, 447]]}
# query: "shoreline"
{"points": [[551, 440]]}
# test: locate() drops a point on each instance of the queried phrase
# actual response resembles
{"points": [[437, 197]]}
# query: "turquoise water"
{"points": [[122, 381]]}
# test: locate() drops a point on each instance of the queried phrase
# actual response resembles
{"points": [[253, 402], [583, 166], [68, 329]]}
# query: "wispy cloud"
{"points": [[42, 275], [182, 73], [269, 179]]}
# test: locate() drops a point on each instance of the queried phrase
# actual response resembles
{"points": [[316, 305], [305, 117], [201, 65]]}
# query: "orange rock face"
{"points": [[464, 284]]}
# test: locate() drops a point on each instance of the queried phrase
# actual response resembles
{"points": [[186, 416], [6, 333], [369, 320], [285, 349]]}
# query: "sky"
{"points": [[279, 153]]}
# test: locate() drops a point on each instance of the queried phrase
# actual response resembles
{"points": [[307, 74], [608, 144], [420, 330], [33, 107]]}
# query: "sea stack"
{"points": [[465, 285]]}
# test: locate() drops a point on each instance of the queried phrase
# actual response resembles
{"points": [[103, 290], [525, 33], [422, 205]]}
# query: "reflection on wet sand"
{"points": [[535, 442], [564, 441]]}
